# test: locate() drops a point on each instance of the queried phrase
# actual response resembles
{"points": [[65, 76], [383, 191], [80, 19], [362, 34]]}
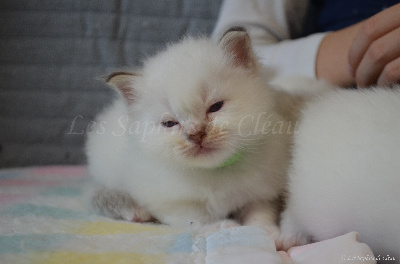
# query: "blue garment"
{"points": [[331, 15]]}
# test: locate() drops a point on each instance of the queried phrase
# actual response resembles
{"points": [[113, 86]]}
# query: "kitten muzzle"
{"points": [[197, 137]]}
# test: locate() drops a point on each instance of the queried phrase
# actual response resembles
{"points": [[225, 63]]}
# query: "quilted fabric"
{"points": [[45, 217]]}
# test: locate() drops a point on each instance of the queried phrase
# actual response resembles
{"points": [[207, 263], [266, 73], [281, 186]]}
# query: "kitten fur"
{"points": [[345, 171], [174, 174], [343, 176]]}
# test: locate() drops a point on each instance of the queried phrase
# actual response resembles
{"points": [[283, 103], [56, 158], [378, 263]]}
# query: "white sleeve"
{"points": [[271, 25]]}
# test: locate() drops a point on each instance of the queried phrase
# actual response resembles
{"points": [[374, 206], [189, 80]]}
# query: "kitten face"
{"points": [[201, 108]]}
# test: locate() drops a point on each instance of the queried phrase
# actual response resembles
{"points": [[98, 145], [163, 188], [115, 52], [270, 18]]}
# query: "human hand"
{"points": [[374, 56]]}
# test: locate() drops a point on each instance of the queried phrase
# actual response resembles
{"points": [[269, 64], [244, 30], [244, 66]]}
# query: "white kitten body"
{"points": [[345, 172], [168, 174]]}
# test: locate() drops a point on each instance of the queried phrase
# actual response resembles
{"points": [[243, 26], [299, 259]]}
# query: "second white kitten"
{"points": [[345, 172]]}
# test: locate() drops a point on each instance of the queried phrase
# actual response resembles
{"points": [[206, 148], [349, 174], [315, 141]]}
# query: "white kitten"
{"points": [[345, 173], [194, 137]]}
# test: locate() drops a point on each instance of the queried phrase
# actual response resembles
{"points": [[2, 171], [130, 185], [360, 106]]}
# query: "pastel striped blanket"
{"points": [[45, 218]]}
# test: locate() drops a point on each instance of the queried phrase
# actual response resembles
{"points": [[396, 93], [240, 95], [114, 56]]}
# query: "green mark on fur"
{"points": [[235, 158]]}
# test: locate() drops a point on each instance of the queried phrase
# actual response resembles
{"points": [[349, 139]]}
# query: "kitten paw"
{"points": [[119, 205], [141, 215], [286, 241]]}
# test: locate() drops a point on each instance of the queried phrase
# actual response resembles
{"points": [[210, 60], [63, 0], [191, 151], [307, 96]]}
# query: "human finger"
{"points": [[370, 30], [390, 74], [380, 53]]}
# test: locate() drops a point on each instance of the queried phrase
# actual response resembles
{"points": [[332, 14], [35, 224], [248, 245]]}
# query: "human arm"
{"points": [[332, 57]]}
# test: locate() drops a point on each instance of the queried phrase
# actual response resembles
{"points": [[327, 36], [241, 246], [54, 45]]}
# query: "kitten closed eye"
{"points": [[215, 107], [169, 123]]}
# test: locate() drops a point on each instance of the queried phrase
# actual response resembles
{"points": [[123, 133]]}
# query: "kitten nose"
{"points": [[197, 137]]}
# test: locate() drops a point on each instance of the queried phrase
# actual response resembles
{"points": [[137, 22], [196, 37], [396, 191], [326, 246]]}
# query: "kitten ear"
{"points": [[237, 42], [123, 82]]}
